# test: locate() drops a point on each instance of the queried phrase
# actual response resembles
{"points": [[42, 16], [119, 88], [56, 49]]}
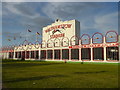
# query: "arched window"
{"points": [[74, 40], [85, 39], [25, 45], [111, 36], [43, 44], [21, 46], [57, 42], [37, 45], [30, 45], [97, 38], [50, 43], [65, 42]]}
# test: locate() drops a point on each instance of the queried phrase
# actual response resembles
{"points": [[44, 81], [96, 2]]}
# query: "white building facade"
{"points": [[62, 41]]}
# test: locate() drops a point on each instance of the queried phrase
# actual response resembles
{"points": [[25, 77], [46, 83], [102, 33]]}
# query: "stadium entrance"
{"points": [[112, 53], [98, 54]]}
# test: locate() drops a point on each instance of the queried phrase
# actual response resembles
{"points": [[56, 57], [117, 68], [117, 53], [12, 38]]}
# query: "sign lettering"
{"points": [[57, 35], [58, 27]]}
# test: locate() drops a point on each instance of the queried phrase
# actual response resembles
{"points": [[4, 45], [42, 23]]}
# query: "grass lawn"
{"points": [[36, 74]]}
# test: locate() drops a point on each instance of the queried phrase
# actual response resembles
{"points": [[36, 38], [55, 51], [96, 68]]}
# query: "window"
{"points": [[65, 54]]}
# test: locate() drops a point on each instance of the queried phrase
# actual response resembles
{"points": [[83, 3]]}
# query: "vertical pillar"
{"points": [[29, 54], [105, 54], [17, 55], [119, 47], [119, 51], [7, 55], [91, 50], [69, 54], [39, 54], [14, 54], [46, 55], [25, 53], [35, 54], [80, 54], [60, 54], [53, 55]]}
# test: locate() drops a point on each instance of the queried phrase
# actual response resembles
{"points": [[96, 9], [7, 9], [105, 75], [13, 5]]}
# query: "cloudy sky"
{"points": [[17, 17]]}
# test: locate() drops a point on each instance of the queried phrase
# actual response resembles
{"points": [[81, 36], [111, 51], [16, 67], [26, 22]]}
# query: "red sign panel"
{"points": [[112, 44], [85, 46], [95, 45], [76, 46], [57, 35]]}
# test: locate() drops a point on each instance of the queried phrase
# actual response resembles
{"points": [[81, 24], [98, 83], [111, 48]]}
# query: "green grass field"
{"points": [[36, 74]]}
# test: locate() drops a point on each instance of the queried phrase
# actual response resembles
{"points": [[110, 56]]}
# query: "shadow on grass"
{"points": [[89, 72], [33, 78], [27, 64]]}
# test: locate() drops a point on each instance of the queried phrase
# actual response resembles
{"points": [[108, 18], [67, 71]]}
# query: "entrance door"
{"points": [[27, 54], [85, 54], [49, 54], [10, 55], [56, 54], [75, 54], [112, 53], [19, 55], [43, 54], [65, 54], [32, 54], [37, 54], [23, 55], [98, 53]]}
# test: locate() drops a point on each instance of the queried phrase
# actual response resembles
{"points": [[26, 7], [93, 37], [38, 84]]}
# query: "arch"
{"points": [[16, 46], [30, 45], [97, 38], [49, 43], [111, 36], [25, 42], [43, 45], [85, 39], [37, 44], [56, 42], [25, 45], [65, 42], [74, 40], [20, 46]]}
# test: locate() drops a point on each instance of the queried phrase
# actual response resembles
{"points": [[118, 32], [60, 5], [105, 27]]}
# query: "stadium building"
{"points": [[62, 41]]}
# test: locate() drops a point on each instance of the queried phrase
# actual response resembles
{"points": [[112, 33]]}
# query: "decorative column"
{"points": [[119, 47], [105, 54], [14, 54], [35, 54], [53, 55], [46, 54], [30, 54], [39, 54], [69, 54], [60, 54], [91, 50], [7, 55], [80, 51]]}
